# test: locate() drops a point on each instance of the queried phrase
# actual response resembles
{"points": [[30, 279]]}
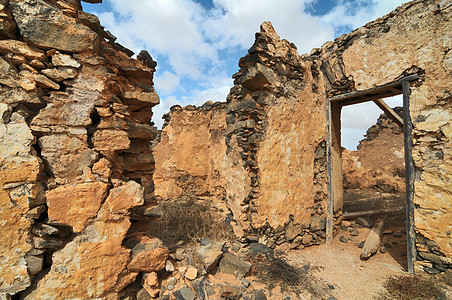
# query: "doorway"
{"points": [[334, 152]]}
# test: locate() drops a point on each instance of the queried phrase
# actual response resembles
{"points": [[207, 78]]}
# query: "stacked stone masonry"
{"points": [[75, 155], [276, 128], [77, 158]]}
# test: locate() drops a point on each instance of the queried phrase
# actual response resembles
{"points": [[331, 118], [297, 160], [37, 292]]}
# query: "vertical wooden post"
{"points": [[409, 166], [330, 202]]}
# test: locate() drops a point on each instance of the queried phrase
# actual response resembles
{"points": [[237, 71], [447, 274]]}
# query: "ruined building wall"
{"points": [[277, 126], [415, 38], [75, 157], [190, 153], [379, 161]]}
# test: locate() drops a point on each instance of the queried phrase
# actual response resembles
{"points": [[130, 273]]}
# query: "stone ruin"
{"points": [[84, 173]]}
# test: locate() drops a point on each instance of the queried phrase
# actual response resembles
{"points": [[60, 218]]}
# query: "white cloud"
{"points": [[356, 13], [194, 46], [166, 83]]}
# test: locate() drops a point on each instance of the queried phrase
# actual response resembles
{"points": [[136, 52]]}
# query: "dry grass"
{"points": [[276, 271], [412, 288], [189, 221]]}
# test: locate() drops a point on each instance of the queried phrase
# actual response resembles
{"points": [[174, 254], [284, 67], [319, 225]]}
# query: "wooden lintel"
{"points": [[389, 112], [375, 90], [352, 101]]}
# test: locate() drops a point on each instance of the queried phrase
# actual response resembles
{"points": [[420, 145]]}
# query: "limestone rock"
{"points": [[108, 139], [64, 60], [47, 27], [258, 77], [372, 243], [148, 255], [75, 204], [67, 156], [233, 264], [21, 48], [122, 198], [210, 254], [145, 97], [60, 74]]}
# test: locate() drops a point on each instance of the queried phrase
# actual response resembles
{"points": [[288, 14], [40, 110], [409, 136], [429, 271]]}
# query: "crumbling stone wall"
{"points": [[415, 38], [75, 156], [379, 160], [277, 126], [190, 152]]}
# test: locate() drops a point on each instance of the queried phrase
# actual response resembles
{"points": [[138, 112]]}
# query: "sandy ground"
{"points": [[339, 265]]}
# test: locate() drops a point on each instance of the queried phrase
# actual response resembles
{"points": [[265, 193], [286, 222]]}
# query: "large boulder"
{"points": [[44, 26]]}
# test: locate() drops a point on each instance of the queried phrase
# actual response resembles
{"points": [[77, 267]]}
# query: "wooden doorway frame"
{"points": [[334, 157]]}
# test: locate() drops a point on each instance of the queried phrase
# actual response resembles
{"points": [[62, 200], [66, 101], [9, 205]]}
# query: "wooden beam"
{"points": [[357, 214], [330, 202], [409, 165], [389, 112], [375, 90], [367, 98]]}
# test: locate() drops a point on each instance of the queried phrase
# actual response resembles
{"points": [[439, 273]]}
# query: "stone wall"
{"points": [[277, 126], [415, 38], [276, 131], [190, 153], [75, 157]]}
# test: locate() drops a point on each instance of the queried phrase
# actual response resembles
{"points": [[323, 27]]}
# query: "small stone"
{"points": [[317, 223], [191, 273], [43, 230], [34, 263], [21, 48], [387, 231], [354, 232], [345, 223], [383, 249], [256, 249], [307, 238], [169, 267], [258, 295], [179, 254], [343, 239], [148, 255], [233, 264], [365, 222], [47, 243], [171, 283], [143, 295], [36, 212], [184, 293], [292, 231], [45, 82], [361, 244], [61, 73]]}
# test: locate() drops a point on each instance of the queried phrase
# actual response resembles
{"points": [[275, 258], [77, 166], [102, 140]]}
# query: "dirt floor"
{"points": [[339, 266]]}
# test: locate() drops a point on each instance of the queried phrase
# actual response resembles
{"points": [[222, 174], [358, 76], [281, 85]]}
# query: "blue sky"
{"points": [[198, 43]]}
